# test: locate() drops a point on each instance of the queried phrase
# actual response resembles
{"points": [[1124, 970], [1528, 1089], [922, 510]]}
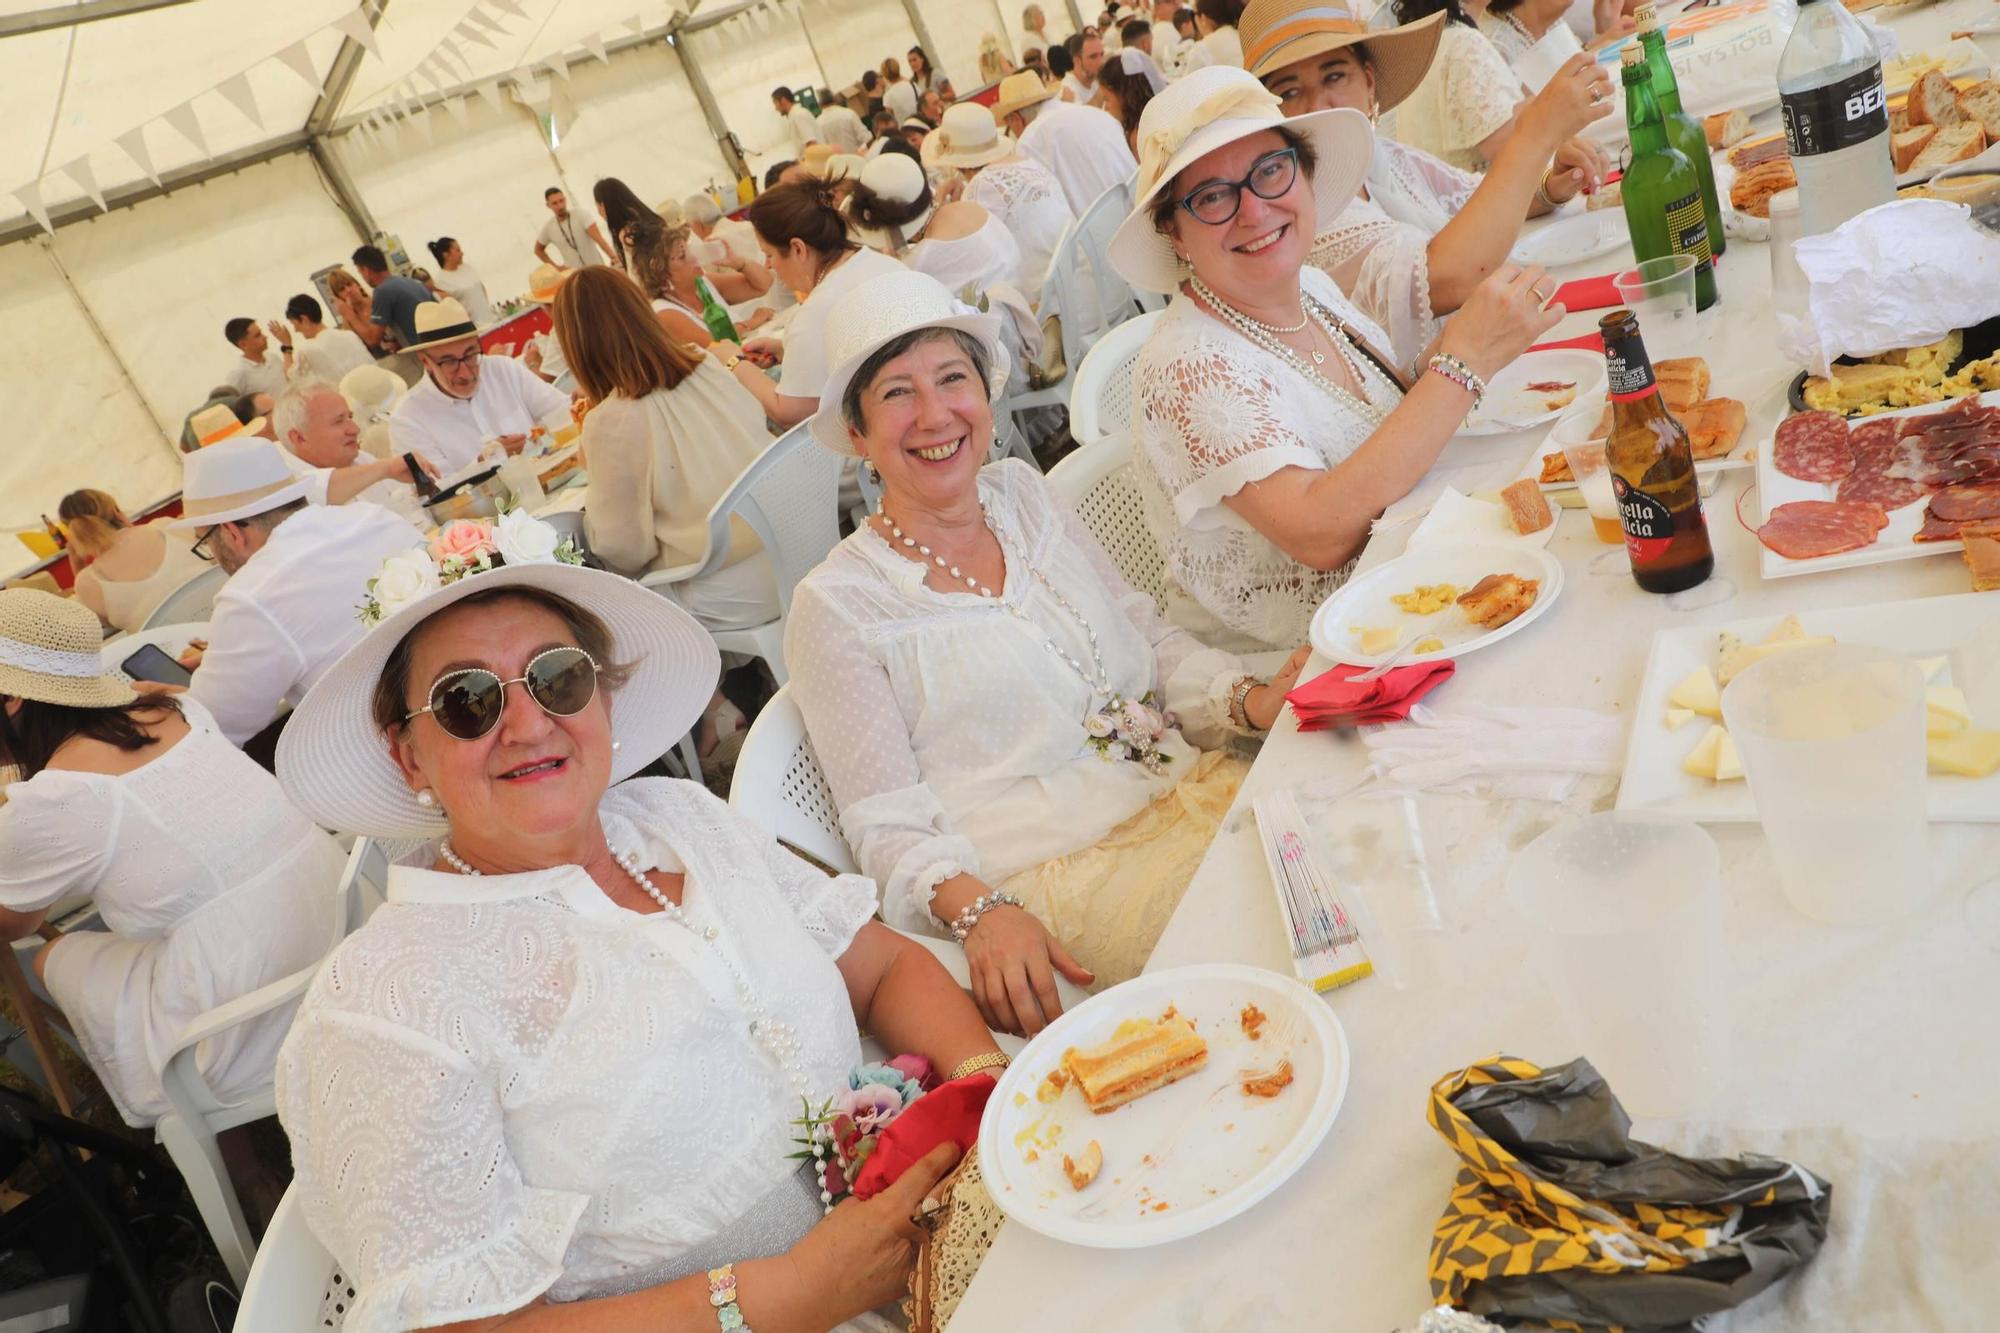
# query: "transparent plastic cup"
{"points": [[1975, 668], [1661, 293], [1624, 922], [1582, 443], [1832, 744]]}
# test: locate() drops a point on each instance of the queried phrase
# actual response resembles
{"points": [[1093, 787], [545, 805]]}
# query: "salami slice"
{"points": [[1973, 500], [1879, 488], [1809, 529], [1937, 530], [1813, 446]]}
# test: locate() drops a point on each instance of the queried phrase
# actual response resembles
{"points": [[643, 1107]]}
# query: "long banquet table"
{"points": [[1877, 1032]]}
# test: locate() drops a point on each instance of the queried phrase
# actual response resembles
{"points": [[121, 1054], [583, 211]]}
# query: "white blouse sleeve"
{"points": [[618, 522], [56, 834], [1450, 187], [894, 822], [1480, 90], [1384, 267], [405, 1174]]}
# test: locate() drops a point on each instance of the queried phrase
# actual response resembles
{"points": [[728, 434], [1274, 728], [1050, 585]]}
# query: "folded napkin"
{"points": [[1335, 699], [1532, 753], [1583, 342], [948, 1111], [1588, 294]]}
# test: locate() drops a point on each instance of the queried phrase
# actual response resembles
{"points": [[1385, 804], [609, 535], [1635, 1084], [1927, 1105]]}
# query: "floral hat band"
{"points": [[462, 549]]}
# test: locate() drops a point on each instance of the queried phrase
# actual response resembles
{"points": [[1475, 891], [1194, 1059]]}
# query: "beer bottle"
{"points": [[1684, 132], [1662, 192], [720, 326], [1652, 469]]}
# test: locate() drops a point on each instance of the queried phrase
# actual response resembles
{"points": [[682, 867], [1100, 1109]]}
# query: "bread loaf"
{"points": [[1904, 147], [1714, 425], [1725, 128], [1981, 102], [1933, 101], [1952, 143]]}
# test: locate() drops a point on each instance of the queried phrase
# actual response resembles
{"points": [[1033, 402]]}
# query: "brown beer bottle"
{"points": [[1652, 469]]}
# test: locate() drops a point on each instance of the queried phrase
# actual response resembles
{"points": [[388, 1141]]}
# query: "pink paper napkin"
{"points": [[1587, 294], [1335, 699]]}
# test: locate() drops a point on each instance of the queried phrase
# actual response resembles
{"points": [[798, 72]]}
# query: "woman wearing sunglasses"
{"points": [[1272, 425], [550, 1084]]}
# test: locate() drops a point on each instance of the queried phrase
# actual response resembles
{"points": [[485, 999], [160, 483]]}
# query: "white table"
{"points": [[1343, 1244]]}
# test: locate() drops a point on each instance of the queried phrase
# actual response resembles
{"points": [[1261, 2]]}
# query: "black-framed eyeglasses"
{"points": [[201, 544], [1271, 176], [467, 703], [463, 361]]}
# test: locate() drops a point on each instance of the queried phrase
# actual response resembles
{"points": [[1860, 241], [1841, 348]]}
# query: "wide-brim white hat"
{"points": [[235, 479], [334, 763], [372, 391], [884, 308], [968, 136], [1204, 111]]}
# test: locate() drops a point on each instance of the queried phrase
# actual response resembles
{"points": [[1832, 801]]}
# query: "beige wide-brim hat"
{"points": [[372, 392], [1018, 90], [440, 322], [1277, 33], [50, 652], [235, 479], [1202, 112], [968, 136], [542, 282], [215, 423], [333, 761], [884, 308]]}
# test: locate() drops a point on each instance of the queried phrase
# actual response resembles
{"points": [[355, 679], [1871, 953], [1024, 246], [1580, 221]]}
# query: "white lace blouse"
{"points": [[1029, 200], [951, 731], [1378, 249], [1469, 92], [508, 1085], [1213, 413]]}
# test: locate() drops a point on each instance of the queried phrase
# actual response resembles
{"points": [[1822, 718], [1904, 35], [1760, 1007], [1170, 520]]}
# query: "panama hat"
{"points": [[441, 321], [884, 308], [816, 156], [1202, 112], [233, 480], [968, 136], [1277, 33], [1018, 90], [372, 392], [334, 763], [216, 422], [49, 652]]}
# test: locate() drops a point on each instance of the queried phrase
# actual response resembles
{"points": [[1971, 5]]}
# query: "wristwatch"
{"points": [[732, 363]]}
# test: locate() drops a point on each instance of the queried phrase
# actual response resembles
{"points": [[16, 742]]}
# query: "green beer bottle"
{"points": [[720, 326], [1662, 192], [1683, 131]]}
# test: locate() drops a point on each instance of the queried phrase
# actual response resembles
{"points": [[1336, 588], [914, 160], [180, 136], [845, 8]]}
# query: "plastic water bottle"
{"points": [[1836, 116]]}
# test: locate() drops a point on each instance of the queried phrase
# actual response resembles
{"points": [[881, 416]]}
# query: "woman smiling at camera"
{"points": [[1271, 427], [1010, 731], [550, 1083]]}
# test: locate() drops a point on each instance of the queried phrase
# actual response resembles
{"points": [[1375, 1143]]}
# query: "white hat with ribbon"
{"points": [[233, 480]]}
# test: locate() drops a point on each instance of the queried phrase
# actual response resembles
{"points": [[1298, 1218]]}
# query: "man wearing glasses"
{"points": [[468, 400]]}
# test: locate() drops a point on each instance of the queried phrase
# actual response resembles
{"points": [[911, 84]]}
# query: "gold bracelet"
{"points": [[1542, 189], [990, 1060]]}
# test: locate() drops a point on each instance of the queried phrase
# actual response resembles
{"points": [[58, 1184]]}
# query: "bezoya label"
{"points": [[1837, 115]]}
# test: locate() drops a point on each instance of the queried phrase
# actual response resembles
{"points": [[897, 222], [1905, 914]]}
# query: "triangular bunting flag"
{"points": [[188, 123], [484, 21], [237, 89], [472, 34], [30, 196], [557, 64], [490, 90], [637, 24], [423, 72], [299, 61], [133, 141], [509, 6], [393, 132], [86, 180], [354, 26], [449, 55], [420, 121], [595, 45], [456, 105]]}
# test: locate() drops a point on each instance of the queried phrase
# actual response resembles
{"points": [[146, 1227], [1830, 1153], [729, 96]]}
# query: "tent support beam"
{"points": [[340, 78], [82, 210], [923, 31], [345, 192], [73, 16], [711, 110]]}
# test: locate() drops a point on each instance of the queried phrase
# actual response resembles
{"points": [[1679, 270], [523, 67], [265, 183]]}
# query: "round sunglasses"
{"points": [[467, 703]]}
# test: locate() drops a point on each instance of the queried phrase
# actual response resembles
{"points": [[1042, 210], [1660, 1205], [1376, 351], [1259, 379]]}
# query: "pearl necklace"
{"points": [[778, 1040], [1260, 334], [911, 543]]}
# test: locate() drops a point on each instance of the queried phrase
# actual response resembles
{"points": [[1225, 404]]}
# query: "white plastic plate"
{"points": [[1363, 603]]}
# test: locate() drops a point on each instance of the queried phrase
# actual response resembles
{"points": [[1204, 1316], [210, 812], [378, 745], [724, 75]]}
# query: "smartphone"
{"points": [[151, 662]]}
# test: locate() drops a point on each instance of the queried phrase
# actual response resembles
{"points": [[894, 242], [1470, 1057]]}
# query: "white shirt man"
{"points": [[901, 98], [467, 399], [1167, 43], [323, 353], [255, 370], [1082, 145], [321, 443], [569, 239], [804, 125], [843, 129]]}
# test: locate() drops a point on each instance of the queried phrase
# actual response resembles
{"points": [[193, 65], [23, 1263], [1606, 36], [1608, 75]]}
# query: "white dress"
{"points": [[465, 284], [1213, 412], [1027, 197], [1222, 47], [508, 1085], [952, 733], [1378, 248], [210, 884], [1468, 93], [974, 261]]}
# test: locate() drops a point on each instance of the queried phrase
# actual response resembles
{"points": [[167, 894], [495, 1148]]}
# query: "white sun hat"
{"points": [[884, 308], [1202, 112], [49, 652], [372, 391], [234, 479], [334, 763], [966, 137]]}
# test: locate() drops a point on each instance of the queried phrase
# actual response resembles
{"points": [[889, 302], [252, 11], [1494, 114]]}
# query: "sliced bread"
{"points": [[1905, 146], [1953, 143], [1933, 101], [1981, 102]]}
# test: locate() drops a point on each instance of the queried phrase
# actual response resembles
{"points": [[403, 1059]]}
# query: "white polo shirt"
{"points": [[291, 611], [805, 125], [843, 129], [266, 376], [329, 356], [570, 238], [510, 400], [901, 98]]}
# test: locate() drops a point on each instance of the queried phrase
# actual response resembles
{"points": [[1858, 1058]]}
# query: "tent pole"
{"points": [[1075, 13], [345, 192], [48, 244], [825, 80], [75, 15], [711, 111], [340, 78], [923, 32]]}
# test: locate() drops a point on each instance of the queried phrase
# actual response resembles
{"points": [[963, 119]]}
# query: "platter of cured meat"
{"points": [[1837, 494]]}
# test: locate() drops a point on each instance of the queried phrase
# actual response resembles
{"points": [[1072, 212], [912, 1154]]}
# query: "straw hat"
{"points": [[216, 422], [441, 321], [334, 763], [235, 480], [968, 136], [884, 308], [845, 166], [816, 156], [49, 652], [1018, 90], [372, 392], [1277, 33], [1202, 112], [542, 283]]}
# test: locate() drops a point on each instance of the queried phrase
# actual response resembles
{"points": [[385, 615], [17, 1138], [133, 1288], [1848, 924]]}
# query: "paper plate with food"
{"points": [[1962, 363], [1714, 425], [1680, 759], [1163, 1106], [1582, 230], [1535, 389], [1444, 601]]}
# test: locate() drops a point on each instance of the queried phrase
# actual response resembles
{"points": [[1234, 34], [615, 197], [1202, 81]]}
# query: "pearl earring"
{"points": [[425, 799], [616, 746]]}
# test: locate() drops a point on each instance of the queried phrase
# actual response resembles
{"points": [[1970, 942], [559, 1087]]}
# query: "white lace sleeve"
{"points": [[1450, 187], [1207, 419], [406, 1175], [1480, 90], [894, 822], [1384, 268]]}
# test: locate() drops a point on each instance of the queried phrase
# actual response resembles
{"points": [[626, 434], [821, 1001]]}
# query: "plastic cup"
{"points": [[1975, 668], [1661, 293], [1582, 443], [1624, 921], [1832, 743], [1788, 281]]}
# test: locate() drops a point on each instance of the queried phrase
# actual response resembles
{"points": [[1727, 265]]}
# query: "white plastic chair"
{"points": [[1100, 396], [171, 639], [1095, 226], [191, 601], [188, 1130], [293, 1275], [1096, 481], [790, 498]]}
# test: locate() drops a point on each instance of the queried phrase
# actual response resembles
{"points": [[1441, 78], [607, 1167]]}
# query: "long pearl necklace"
{"points": [[1261, 335], [778, 1040]]}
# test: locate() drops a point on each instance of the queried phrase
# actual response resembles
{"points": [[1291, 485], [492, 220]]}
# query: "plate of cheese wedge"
{"points": [[1164, 1106], [1680, 759]]}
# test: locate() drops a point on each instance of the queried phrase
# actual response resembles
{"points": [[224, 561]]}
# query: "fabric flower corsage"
{"points": [[459, 549], [1130, 729], [841, 1134]]}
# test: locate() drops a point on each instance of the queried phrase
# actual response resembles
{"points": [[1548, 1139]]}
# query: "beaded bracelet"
{"points": [[1455, 370], [962, 924], [722, 1296]]}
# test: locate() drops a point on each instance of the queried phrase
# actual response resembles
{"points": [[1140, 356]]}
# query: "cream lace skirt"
{"points": [[1109, 902]]}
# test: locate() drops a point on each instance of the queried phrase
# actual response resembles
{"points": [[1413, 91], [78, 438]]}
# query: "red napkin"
{"points": [[1335, 700], [1586, 342], [1587, 294], [948, 1111]]}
